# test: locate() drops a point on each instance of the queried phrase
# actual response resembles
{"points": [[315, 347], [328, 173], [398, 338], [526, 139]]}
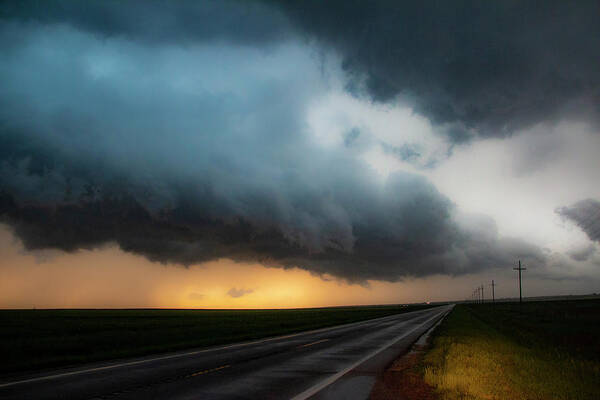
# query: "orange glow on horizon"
{"points": [[111, 278]]}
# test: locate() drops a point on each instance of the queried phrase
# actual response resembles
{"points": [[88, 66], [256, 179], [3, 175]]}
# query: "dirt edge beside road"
{"points": [[404, 380]]}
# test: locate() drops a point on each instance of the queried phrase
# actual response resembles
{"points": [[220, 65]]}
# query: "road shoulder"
{"points": [[403, 379], [358, 380]]}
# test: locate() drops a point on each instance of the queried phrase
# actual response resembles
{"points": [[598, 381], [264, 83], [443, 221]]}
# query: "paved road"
{"points": [[332, 363]]}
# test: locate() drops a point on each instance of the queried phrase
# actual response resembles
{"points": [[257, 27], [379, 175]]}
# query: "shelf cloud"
{"points": [[178, 129]]}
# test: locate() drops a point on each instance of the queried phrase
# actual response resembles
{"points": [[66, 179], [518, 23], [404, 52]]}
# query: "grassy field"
{"points": [[540, 350], [34, 339]]}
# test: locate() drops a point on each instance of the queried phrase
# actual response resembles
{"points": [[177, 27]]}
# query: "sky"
{"points": [[265, 154]]}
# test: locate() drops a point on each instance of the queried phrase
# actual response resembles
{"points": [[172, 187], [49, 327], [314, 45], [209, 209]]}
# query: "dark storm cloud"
{"points": [[472, 67], [489, 66], [582, 253], [586, 214], [475, 68], [399, 235], [111, 133], [159, 21]]}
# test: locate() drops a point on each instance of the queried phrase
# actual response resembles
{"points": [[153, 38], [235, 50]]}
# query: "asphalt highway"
{"points": [[333, 363]]}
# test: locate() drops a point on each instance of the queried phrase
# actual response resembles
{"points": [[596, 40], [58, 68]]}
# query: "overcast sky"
{"points": [[366, 148]]}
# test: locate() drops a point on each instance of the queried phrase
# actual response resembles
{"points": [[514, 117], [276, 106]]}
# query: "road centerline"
{"points": [[207, 371], [313, 343]]}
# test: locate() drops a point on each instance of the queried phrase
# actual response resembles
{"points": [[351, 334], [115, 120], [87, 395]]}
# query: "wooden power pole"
{"points": [[482, 296], [520, 289], [493, 285]]}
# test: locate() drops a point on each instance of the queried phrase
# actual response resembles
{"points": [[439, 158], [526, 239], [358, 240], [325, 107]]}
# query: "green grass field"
{"points": [[540, 350], [34, 339]]}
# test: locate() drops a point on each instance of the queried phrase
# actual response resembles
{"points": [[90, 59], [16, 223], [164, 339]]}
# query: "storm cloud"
{"points": [[158, 21], [472, 68], [477, 68], [136, 125], [586, 215]]}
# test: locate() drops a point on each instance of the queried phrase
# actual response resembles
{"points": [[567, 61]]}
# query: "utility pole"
{"points": [[493, 294], [482, 296], [520, 290]]}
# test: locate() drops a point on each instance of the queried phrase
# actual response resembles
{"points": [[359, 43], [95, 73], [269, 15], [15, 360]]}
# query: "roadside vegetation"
{"points": [[35, 339], [540, 350]]}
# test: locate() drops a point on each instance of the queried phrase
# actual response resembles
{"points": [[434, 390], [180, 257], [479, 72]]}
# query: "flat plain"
{"points": [[537, 350]]}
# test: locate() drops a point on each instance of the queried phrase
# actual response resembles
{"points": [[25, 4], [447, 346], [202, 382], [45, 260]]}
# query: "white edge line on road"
{"points": [[323, 384], [126, 364]]}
